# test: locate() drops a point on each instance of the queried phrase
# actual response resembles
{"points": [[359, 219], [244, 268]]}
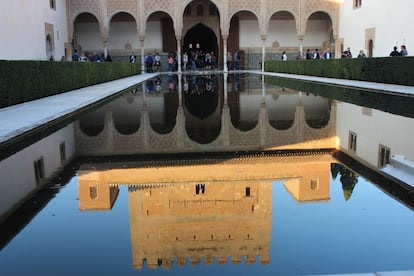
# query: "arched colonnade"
{"points": [[258, 28]]}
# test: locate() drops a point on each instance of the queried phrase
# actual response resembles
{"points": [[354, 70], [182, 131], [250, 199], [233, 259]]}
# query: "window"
{"points": [[93, 192], [39, 168], [187, 10], [247, 191], [200, 188], [357, 3], [200, 10], [314, 184], [62, 149], [383, 156], [352, 141], [52, 4], [213, 10]]}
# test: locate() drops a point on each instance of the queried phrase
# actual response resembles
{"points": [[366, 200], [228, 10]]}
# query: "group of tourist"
{"points": [[402, 53], [83, 57]]}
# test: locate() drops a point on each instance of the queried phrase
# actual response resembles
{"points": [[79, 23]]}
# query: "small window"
{"points": [[39, 168], [352, 141], [314, 184], [212, 10], [247, 191], [357, 3], [52, 4], [200, 189], [384, 154], [93, 192]]}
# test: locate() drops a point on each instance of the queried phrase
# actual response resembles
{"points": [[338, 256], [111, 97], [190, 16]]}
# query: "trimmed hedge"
{"points": [[22, 81], [392, 70]]}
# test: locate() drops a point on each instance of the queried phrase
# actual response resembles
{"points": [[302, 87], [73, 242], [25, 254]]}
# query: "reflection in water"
{"points": [[226, 185], [348, 178], [224, 210], [206, 116], [181, 221]]}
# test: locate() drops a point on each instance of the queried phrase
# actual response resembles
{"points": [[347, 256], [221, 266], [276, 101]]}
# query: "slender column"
{"points": [[301, 37], [141, 40], [179, 53], [263, 51], [105, 40], [225, 87], [225, 69], [180, 90]]}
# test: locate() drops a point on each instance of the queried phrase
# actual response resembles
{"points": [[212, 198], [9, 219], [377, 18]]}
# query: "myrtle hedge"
{"points": [[392, 70], [22, 81]]}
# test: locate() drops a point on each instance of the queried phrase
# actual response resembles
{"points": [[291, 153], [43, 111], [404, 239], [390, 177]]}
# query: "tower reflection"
{"points": [[211, 210]]}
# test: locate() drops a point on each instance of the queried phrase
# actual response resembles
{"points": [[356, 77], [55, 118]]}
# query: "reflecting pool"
{"points": [[213, 175]]}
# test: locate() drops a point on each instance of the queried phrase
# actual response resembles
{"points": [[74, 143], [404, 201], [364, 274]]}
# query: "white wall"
{"points": [[393, 21], [20, 180], [392, 131], [22, 29]]}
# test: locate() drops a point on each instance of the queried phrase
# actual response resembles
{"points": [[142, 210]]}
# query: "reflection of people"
{"points": [[158, 85]]}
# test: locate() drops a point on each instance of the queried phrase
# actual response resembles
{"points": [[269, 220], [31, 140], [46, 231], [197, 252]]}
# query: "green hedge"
{"points": [[393, 70], [22, 81]]}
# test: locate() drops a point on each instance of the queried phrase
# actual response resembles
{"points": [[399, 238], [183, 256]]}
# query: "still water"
{"points": [[295, 210]]}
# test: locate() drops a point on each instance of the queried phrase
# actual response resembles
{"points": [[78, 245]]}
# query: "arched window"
{"points": [[200, 10], [212, 10], [187, 10], [53, 4]]}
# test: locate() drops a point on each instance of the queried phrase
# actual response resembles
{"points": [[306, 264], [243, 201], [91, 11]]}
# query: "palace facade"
{"points": [[259, 29]]}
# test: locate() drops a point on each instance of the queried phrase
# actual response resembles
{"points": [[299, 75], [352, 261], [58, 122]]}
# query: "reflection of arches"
{"points": [[93, 123], [200, 102], [200, 37]]}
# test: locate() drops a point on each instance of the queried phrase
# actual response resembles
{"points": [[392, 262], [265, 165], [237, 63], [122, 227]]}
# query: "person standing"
{"points": [[361, 54], [185, 61], [237, 60], [403, 52], [347, 53], [157, 61], [315, 54], [395, 52], [229, 60], [75, 56], [284, 56]]}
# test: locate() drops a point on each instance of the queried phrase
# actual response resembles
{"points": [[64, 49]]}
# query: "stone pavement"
{"points": [[22, 118]]}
